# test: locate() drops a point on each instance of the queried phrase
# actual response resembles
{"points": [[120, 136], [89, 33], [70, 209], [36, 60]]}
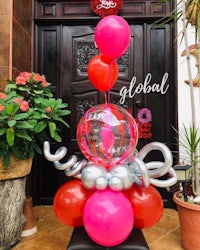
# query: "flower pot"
{"points": [[16, 169], [12, 198], [189, 219], [29, 227]]}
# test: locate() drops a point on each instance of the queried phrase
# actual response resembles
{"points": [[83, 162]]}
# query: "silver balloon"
{"points": [[116, 183], [60, 153], [72, 167], [142, 171], [75, 170], [89, 175], [101, 183], [172, 180], [134, 170], [168, 160], [66, 165], [124, 174]]}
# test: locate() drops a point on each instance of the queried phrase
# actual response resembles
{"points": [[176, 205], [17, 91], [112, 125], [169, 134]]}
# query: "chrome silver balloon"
{"points": [[172, 180], [60, 153], [72, 167], [90, 175], [101, 183], [140, 172], [116, 183], [168, 160], [122, 176]]}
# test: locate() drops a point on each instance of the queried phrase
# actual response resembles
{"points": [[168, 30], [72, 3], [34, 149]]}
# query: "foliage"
{"points": [[189, 141], [29, 115], [188, 11]]}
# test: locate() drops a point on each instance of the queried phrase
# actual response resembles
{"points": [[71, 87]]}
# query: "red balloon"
{"points": [[147, 205], [102, 72], [69, 203]]}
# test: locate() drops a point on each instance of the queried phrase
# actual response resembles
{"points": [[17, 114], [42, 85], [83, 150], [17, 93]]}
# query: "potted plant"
{"points": [[189, 139], [29, 115]]}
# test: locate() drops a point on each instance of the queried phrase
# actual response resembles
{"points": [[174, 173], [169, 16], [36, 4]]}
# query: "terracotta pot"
{"points": [[189, 218], [30, 224], [16, 169]]}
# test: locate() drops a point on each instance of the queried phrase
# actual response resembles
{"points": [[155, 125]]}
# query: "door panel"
{"points": [[62, 53]]}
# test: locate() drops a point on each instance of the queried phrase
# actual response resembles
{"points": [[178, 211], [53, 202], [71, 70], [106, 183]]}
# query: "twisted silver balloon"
{"points": [[72, 167], [122, 176]]}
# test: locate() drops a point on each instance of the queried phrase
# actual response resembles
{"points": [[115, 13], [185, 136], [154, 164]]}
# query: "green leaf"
{"points": [[23, 134], [11, 108], [40, 126], [24, 125], [10, 136], [24, 88], [52, 128], [11, 123], [3, 131], [57, 137], [3, 117], [6, 159], [57, 118], [38, 92], [21, 116]]}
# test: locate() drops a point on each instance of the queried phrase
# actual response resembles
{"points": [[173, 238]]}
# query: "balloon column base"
{"points": [[81, 241]]}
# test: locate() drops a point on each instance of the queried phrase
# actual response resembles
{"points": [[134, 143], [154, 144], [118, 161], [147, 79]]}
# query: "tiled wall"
{"points": [[5, 13], [15, 38], [21, 41]]}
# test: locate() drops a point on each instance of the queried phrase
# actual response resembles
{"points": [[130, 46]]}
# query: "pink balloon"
{"points": [[108, 217], [112, 36]]}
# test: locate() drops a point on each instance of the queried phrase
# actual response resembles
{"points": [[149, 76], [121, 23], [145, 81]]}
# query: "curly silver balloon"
{"points": [[72, 167], [156, 168], [122, 176]]}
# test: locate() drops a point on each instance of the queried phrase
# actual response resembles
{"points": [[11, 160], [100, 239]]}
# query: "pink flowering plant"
{"points": [[29, 115]]}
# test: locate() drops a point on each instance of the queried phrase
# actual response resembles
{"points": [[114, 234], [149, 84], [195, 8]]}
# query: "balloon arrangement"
{"points": [[112, 190]]}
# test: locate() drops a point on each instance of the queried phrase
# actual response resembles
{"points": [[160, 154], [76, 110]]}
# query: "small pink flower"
{"points": [[144, 115], [24, 106], [3, 95], [48, 109], [18, 100], [38, 78], [1, 107], [44, 83], [23, 77]]}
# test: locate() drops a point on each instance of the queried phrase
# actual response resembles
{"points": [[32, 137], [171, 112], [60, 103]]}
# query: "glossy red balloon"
{"points": [[102, 72], [147, 205], [69, 203]]}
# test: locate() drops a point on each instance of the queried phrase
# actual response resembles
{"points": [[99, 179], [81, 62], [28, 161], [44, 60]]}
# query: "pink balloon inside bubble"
{"points": [[112, 36], [107, 134], [108, 217]]}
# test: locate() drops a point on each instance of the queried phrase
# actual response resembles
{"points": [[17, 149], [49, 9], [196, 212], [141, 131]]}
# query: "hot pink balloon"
{"points": [[108, 217], [112, 36]]}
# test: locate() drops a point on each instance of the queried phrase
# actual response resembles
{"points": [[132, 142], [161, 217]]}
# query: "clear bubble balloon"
{"points": [[107, 134]]}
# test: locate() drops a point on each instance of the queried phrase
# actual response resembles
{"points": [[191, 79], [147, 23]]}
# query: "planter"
{"points": [[189, 219], [12, 198], [16, 169]]}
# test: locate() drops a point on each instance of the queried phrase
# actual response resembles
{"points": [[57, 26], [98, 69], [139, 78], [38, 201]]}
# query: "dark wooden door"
{"points": [[62, 52]]}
